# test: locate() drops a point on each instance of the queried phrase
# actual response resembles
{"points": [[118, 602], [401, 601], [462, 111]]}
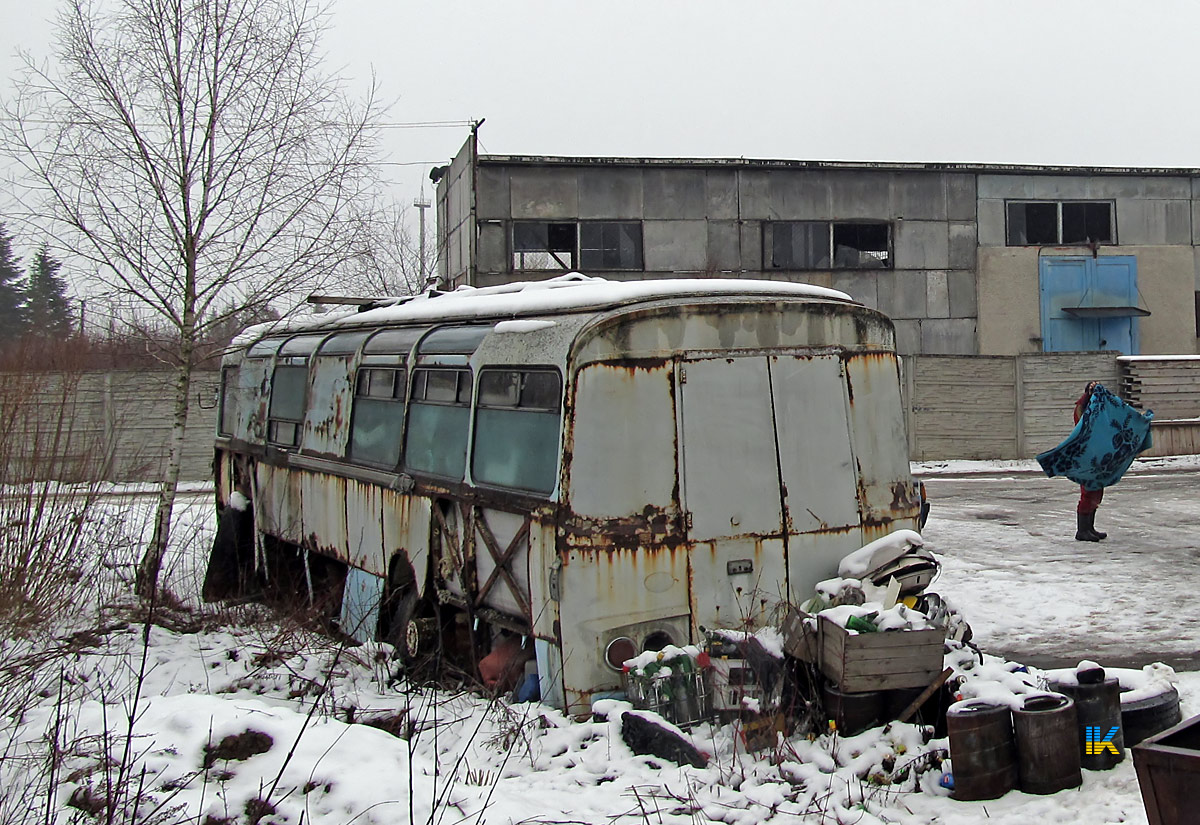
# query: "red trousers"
{"points": [[1089, 500]]}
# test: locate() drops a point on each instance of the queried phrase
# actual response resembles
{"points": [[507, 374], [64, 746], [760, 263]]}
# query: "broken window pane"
{"points": [[797, 244], [1087, 223], [289, 385], [610, 245], [544, 245], [861, 245]]}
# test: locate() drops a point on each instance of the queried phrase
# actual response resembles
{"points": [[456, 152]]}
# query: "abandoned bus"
{"points": [[593, 468]]}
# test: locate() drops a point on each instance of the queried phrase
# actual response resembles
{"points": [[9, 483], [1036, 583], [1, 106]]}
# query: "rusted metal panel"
{"points": [[277, 503], [610, 593], [738, 582], [886, 489], [545, 577], [730, 474], [814, 557], [407, 525], [452, 547], [327, 424], [815, 455], [364, 527], [323, 503], [635, 445], [750, 325], [251, 422]]}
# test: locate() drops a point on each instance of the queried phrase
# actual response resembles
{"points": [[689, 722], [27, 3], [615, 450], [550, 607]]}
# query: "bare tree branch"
{"points": [[197, 154]]}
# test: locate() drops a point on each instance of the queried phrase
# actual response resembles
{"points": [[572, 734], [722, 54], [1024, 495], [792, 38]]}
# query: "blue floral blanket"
{"points": [[1109, 435]]}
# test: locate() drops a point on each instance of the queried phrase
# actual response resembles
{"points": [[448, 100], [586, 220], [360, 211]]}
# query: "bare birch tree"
{"points": [[389, 258], [199, 156]]}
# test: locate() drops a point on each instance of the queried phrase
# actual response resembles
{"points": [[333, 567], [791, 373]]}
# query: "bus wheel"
{"points": [[409, 630]]}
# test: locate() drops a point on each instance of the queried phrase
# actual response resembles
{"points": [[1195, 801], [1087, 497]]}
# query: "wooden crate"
{"points": [[858, 662]]}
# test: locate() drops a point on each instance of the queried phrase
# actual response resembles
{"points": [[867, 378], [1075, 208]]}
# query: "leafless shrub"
{"points": [[50, 476]]}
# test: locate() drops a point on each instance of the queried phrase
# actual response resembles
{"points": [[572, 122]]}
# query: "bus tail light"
{"points": [[619, 651]]}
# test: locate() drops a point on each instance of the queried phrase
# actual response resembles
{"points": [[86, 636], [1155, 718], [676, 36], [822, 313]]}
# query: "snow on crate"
{"points": [[873, 616]]}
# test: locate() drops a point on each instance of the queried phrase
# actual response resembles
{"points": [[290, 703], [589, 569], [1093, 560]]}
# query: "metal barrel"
{"points": [[982, 749], [1046, 728], [1098, 707], [852, 712]]}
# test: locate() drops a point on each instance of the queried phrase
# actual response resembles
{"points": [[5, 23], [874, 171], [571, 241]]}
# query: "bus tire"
{"points": [[410, 631], [1149, 716]]}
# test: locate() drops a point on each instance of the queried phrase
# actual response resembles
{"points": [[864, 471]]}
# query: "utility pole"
{"points": [[422, 203]]}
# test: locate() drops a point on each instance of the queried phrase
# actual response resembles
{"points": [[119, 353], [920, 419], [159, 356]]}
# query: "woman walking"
{"points": [[1089, 500]]}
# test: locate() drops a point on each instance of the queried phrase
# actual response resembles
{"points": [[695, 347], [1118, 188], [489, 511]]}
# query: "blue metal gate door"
{"points": [[1078, 296]]}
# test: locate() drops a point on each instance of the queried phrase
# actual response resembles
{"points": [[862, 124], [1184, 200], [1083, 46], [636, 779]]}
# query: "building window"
{"points": [[285, 418], [541, 245], [805, 245], [565, 246], [1060, 223], [610, 245], [439, 417], [378, 417], [516, 429]]}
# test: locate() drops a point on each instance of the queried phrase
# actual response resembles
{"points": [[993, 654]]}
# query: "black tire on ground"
{"points": [[402, 626], [1149, 716]]}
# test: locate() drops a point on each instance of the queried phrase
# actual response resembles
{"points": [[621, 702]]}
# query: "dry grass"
{"points": [[50, 476]]}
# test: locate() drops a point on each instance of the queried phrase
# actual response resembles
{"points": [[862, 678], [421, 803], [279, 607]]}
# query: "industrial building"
{"points": [[967, 259]]}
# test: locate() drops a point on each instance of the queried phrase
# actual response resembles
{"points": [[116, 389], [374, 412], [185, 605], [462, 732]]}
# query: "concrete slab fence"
{"points": [[1009, 407], [957, 406]]}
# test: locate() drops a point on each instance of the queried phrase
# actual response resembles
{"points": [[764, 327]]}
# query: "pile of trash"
{"points": [[873, 647], [784, 674]]}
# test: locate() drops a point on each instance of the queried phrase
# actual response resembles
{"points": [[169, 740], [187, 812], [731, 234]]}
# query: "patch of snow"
{"points": [[857, 564], [238, 501], [567, 293], [529, 325], [1136, 685], [898, 617]]}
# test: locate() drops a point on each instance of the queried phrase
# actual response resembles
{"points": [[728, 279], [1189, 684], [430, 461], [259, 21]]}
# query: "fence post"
{"points": [[109, 425], [1019, 396], [908, 366]]}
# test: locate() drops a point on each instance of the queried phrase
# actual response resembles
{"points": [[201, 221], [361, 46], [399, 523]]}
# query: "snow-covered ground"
{"points": [[1006, 540], [321, 734]]}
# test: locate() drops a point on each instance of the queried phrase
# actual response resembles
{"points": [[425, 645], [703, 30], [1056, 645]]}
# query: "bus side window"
{"points": [[377, 417], [228, 410], [289, 385], [439, 415], [516, 429]]}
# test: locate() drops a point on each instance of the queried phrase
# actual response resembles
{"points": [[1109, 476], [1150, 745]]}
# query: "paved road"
{"points": [[1035, 595]]}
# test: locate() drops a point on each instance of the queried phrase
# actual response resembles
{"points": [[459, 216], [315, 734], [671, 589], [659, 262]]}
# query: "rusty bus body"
{"points": [[574, 462]]}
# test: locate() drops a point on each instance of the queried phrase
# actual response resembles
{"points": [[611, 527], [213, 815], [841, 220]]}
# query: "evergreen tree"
{"points": [[12, 297], [47, 308]]}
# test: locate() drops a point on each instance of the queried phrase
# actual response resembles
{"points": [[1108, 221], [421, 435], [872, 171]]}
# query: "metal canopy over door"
{"points": [[731, 490], [1106, 285]]}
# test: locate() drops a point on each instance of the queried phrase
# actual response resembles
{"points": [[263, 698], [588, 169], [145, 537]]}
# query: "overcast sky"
{"points": [[1048, 82]]}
